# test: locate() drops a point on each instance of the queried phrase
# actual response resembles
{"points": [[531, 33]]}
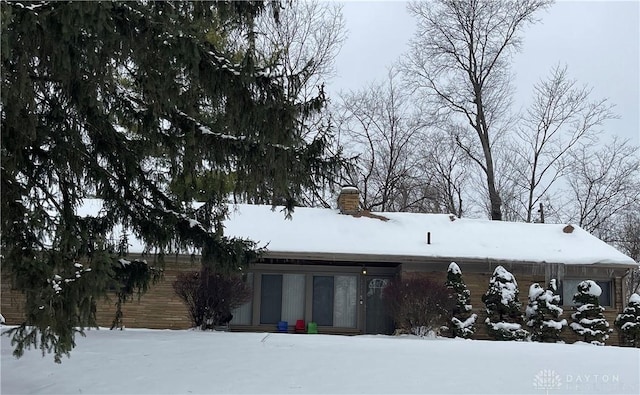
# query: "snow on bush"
{"points": [[462, 320], [588, 320], [504, 318], [592, 288], [628, 322], [543, 314]]}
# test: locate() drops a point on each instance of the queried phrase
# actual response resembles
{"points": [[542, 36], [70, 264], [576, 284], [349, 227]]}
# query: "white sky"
{"points": [[599, 41]]}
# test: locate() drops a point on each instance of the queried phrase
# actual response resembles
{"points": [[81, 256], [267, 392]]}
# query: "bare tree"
{"points": [[507, 182], [448, 166], [604, 182], [627, 240], [561, 116], [378, 125], [306, 39], [459, 62]]}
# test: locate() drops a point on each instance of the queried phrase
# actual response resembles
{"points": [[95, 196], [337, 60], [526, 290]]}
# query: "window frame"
{"points": [[349, 315], [570, 304]]}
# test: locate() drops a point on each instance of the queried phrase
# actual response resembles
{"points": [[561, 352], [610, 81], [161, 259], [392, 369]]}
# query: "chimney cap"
{"points": [[349, 189]]}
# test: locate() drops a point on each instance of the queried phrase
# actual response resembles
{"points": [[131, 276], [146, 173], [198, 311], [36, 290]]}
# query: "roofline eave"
{"points": [[387, 258]]}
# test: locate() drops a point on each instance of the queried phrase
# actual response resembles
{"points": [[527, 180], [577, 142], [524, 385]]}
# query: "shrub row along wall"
{"points": [[478, 283]]}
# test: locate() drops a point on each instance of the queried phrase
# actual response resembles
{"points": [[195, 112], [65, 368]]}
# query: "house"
{"points": [[330, 266]]}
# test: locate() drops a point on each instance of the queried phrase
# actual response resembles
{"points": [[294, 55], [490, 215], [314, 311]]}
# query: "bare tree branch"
{"points": [[459, 60]]}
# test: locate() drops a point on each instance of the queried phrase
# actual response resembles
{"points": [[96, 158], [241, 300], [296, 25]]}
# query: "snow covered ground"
{"points": [[141, 361]]}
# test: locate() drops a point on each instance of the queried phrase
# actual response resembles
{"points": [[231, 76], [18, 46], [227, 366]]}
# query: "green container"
{"points": [[312, 327]]}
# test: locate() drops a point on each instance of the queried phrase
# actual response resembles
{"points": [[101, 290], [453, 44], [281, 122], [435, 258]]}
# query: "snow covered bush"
{"points": [[543, 313], [462, 322], [588, 320], [628, 322], [504, 318], [418, 305], [211, 296]]}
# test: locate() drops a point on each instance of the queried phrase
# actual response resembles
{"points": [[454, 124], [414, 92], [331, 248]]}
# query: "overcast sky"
{"points": [[599, 41]]}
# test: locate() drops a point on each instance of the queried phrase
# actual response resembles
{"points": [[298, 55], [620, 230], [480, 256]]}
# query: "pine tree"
{"points": [[543, 313], [628, 322], [504, 318], [462, 320], [147, 106], [588, 320]]}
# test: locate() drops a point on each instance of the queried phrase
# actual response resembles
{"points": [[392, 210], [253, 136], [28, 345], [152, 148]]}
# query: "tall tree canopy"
{"points": [[147, 106], [459, 62]]}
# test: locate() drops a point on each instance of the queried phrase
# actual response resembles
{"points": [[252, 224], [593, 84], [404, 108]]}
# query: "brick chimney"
{"points": [[349, 200]]}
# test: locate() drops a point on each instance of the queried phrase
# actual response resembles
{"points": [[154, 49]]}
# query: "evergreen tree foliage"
{"points": [[504, 318], [147, 106], [628, 322], [588, 320], [543, 313], [131, 277], [462, 320]]}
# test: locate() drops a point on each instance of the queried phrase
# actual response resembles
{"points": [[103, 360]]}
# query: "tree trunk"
{"points": [[483, 133], [494, 196]]}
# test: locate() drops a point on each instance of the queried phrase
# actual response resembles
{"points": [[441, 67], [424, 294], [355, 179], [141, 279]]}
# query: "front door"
{"points": [[377, 321]]}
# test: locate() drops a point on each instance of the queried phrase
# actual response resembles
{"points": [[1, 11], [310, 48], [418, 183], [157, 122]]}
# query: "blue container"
{"points": [[283, 326]]}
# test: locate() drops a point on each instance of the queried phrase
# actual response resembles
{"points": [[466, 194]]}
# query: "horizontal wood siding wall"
{"points": [[160, 308], [11, 302]]}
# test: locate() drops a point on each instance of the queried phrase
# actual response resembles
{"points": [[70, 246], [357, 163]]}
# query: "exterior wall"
{"points": [[160, 308], [11, 302], [309, 270], [476, 276]]}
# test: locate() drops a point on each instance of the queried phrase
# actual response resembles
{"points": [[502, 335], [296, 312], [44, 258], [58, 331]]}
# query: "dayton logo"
{"points": [[547, 380]]}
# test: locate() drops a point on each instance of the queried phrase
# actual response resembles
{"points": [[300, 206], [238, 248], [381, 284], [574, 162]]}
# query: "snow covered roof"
{"points": [[325, 231], [318, 232]]}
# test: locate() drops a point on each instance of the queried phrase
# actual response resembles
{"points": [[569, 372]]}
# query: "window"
{"points": [[334, 301], [570, 287], [242, 315], [271, 298], [292, 297], [282, 298], [344, 306], [323, 300]]}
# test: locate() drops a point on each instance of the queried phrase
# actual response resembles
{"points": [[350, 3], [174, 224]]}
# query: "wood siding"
{"points": [[478, 283], [160, 308]]}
